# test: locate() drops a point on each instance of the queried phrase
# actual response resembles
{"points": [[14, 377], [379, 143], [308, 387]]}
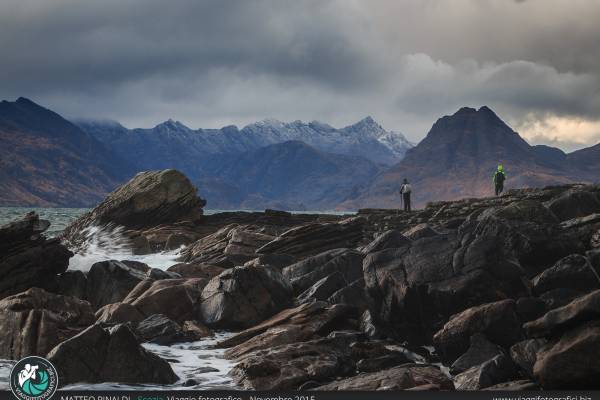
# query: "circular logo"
{"points": [[33, 378]]}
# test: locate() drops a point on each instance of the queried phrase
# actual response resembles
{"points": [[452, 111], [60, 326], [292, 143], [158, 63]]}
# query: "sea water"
{"points": [[195, 360]]}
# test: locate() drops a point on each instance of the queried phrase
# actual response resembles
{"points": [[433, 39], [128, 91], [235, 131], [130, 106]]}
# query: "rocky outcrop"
{"points": [[302, 323], [196, 270], [161, 330], [340, 266], [233, 245], [312, 239], [480, 351], [583, 309], [111, 281], [407, 376], [108, 355], [35, 321], [571, 362], [148, 200], [175, 298], [291, 365], [499, 369], [497, 321], [244, 296], [27, 258]]}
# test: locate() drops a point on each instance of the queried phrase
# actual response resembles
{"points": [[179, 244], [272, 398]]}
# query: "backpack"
{"points": [[499, 179]]}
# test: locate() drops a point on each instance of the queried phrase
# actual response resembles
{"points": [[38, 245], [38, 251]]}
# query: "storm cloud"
{"points": [[215, 63]]}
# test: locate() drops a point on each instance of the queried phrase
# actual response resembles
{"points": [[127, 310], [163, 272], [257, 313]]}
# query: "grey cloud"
{"points": [[211, 63]]}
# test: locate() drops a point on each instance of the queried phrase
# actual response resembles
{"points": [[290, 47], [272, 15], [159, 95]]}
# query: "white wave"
{"points": [[108, 242]]}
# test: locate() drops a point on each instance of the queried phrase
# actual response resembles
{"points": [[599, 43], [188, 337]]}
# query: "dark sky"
{"points": [[406, 63]]}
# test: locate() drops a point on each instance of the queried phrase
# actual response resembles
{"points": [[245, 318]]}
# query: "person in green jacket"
{"points": [[499, 178]]}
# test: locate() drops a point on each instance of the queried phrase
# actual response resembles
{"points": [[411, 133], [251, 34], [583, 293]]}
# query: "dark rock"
{"points": [[387, 240], [35, 321], [306, 273], [111, 281], [27, 258], [382, 362], [272, 260], [530, 308], [573, 361], [311, 239], [119, 313], [517, 386], [149, 199], [402, 377], [419, 231], [192, 270], [497, 321], [178, 240], [305, 322], [353, 294], [244, 296], [232, 245], [190, 382], [323, 288], [289, 366], [581, 310], [572, 272], [158, 274], [559, 297], [480, 351], [162, 330], [175, 298], [372, 327], [524, 354], [196, 330], [100, 355], [492, 372], [574, 203], [72, 283]]}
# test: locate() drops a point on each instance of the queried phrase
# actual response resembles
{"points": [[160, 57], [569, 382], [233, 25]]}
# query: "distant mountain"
{"points": [[289, 175], [173, 142], [47, 161], [458, 158], [586, 160]]}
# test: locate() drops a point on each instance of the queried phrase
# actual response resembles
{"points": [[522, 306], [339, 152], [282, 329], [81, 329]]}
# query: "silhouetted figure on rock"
{"points": [[405, 191]]}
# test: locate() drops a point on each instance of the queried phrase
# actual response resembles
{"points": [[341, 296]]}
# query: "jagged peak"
{"points": [[172, 124]]}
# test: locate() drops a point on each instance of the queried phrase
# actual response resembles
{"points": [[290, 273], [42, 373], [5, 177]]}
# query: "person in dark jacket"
{"points": [[499, 178], [405, 191]]}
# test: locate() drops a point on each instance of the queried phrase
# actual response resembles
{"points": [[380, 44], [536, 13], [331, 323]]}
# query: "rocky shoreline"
{"points": [[504, 292]]}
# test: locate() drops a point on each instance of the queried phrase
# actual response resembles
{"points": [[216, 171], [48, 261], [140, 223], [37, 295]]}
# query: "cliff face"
{"points": [[48, 161], [459, 156]]}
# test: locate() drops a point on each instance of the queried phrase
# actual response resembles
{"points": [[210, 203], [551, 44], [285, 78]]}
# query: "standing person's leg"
{"points": [[408, 201], [496, 187]]}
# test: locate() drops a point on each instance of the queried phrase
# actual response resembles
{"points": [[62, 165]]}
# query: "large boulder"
{"points": [[492, 372], [149, 199], [27, 258], [402, 377], [289, 366], [244, 296], [161, 330], [571, 362], [498, 321], [111, 281], [108, 355], [583, 309], [175, 298], [573, 272], [196, 270], [35, 321], [524, 354], [480, 351]]}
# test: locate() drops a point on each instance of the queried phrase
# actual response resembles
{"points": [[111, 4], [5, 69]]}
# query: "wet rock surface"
{"points": [[108, 355], [35, 321], [27, 258], [505, 291]]}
